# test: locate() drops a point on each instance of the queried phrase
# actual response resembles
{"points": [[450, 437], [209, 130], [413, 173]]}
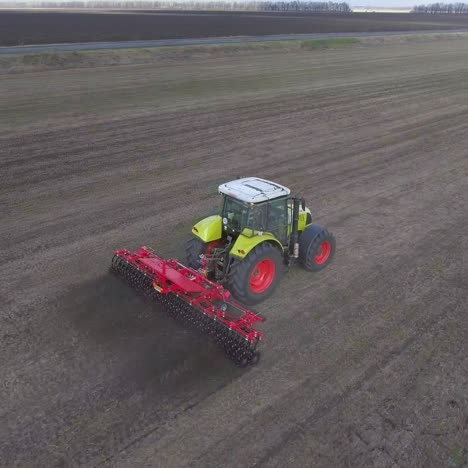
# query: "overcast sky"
{"points": [[387, 3]]}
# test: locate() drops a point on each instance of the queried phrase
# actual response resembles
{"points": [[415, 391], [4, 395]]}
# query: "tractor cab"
{"points": [[252, 206]]}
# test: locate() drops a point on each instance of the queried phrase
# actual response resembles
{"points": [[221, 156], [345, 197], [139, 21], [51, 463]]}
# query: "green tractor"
{"points": [[260, 232]]}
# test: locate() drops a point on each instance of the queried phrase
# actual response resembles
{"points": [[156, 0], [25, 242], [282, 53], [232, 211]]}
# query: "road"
{"points": [[363, 364], [202, 41]]}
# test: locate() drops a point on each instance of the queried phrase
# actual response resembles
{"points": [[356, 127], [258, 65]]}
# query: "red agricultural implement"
{"points": [[193, 299]]}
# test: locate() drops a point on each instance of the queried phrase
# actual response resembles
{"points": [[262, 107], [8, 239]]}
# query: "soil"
{"points": [[22, 27], [363, 364]]}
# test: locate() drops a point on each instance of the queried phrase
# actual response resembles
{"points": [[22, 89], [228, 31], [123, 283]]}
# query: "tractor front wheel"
{"points": [[316, 247], [254, 278]]}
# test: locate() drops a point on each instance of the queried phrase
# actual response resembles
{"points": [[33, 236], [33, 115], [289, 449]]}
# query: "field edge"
{"points": [[61, 60]]}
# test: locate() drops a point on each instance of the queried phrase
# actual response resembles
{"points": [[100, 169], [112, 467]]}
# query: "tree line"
{"points": [[442, 8], [296, 5], [331, 7]]}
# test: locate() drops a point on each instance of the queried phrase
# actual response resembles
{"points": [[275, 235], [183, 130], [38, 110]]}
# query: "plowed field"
{"points": [[363, 364], [52, 27]]}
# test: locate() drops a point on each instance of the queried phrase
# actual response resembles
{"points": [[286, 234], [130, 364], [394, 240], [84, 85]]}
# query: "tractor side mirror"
{"points": [[303, 204]]}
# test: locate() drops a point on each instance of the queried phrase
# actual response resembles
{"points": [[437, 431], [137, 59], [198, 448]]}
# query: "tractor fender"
{"points": [[312, 231], [244, 244], [209, 229]]}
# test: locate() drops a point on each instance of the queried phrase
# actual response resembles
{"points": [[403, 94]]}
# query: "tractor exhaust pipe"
{"points": [[295, 226]]}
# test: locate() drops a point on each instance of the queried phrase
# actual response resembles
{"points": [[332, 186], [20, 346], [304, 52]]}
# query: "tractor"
{"points": [[234, 259], [261, 231]]}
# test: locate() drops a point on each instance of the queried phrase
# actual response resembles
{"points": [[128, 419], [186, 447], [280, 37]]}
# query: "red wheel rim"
{"points": [[323, 253], [212, 245], [262, 275]]}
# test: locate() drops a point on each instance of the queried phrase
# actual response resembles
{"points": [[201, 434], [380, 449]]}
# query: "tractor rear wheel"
{"points": [[254, 278], [194, 247], [316, 247]]}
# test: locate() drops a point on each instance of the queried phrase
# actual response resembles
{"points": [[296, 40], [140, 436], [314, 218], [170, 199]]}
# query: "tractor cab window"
{"points": [[258, 217], [240, 215], [235, 213], [271, 216], [278, 219]]}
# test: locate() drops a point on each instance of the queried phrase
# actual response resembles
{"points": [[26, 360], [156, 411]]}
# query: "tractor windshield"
{"points": [[240, 215]]}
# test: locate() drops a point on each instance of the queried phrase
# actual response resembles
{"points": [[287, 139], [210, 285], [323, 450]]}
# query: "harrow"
{"points": [[192, 299]]}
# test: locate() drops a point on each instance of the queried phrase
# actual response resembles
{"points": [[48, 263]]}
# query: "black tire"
{"points": [[241, 271], [194, 247], [310, 247]]}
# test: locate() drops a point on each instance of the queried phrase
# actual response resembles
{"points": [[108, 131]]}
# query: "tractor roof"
{"points": [[253, 190]]}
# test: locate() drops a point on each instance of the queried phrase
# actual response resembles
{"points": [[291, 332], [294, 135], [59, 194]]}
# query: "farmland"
{"points": [[40, 27], [364, 364]]}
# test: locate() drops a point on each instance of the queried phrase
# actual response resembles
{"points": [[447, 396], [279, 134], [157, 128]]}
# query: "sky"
{"points": [[387, 3]]}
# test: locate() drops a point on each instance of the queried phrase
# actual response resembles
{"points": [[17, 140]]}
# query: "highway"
{"points": [[27, 49]]}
